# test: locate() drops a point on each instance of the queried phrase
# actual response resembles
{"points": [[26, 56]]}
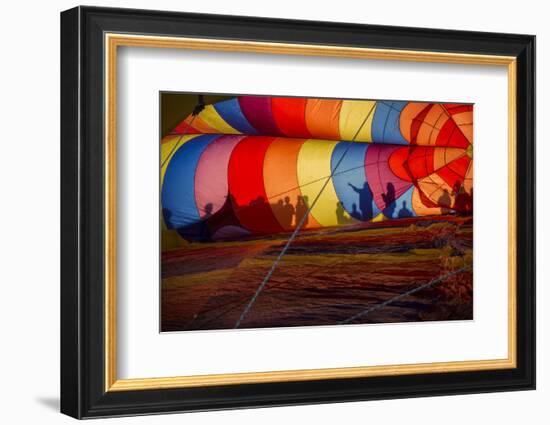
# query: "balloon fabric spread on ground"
{"points": [[257, 165]]}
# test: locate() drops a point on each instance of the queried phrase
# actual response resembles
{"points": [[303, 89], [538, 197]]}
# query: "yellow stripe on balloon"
{"points": [[379, 218], [352, 116], [314, 167], [168, 149], [211, 117]]}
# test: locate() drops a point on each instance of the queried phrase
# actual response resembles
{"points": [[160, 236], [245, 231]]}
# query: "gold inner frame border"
{"points": [[111, 43]]}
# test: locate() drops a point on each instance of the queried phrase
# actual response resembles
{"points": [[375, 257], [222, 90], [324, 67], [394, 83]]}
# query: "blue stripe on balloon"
{"points": [[350, 181], [231, 112], [385, 124], [178, 190]]}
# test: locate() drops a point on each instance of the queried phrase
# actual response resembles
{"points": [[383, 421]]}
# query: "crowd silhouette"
{"points": [[284, 211], [289, 215], [462, 204]]}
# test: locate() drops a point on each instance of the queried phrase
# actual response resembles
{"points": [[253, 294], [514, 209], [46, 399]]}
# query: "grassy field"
{"points": [[325, 278]]}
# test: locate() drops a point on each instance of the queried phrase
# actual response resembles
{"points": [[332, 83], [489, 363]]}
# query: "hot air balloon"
{"points": [[260, 165]]}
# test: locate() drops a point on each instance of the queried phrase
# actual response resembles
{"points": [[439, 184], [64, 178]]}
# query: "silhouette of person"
{"points": [[207, 210], [225, 216], [365, 200], [355, 212], [404, 212], [258, 202], [444, 201], [389, 200], [287, 213], [278, 209], [456, 187], [258, 207], [204, 231], [301, 210], [465, 201], [256, 212], [462, 199], [341, 213]]}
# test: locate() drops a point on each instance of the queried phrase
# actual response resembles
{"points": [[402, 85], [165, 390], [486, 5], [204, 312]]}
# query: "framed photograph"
{"points": [[261, 212]]}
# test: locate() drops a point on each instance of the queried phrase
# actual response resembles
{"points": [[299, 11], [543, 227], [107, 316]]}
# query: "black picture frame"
{"points": [[83, 392]]}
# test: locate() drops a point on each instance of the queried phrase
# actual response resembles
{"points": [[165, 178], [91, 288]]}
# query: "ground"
{"points": [[325, 278]]}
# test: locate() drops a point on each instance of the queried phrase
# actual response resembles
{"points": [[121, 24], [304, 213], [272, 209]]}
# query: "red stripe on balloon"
{"points": [[450, 135], [453, 173], [418, 121], [290, 115], [246, 186], [398, 163], [421, 161], [453, 108], [460, 165]]}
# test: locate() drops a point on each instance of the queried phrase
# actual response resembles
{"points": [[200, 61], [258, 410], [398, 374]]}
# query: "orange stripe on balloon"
{"points": [[281, 182], [435, 191], [407, 117], [184, 128], [423, 206], [431, 125], [323, 118]]}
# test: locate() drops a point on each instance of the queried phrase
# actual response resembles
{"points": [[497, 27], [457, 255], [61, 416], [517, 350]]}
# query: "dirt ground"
{"points": [[325, 278]]}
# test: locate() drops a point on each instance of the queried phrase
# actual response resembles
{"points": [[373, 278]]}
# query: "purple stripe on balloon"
{"points": [[384, 184], [211, 188], [257, 110]]}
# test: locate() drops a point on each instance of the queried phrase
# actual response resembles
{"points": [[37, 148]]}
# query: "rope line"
{"points": [[298, 227], [404, 294]]}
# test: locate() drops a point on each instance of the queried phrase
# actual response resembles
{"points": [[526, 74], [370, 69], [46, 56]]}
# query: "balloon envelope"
{"points": [[256, 165]]}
